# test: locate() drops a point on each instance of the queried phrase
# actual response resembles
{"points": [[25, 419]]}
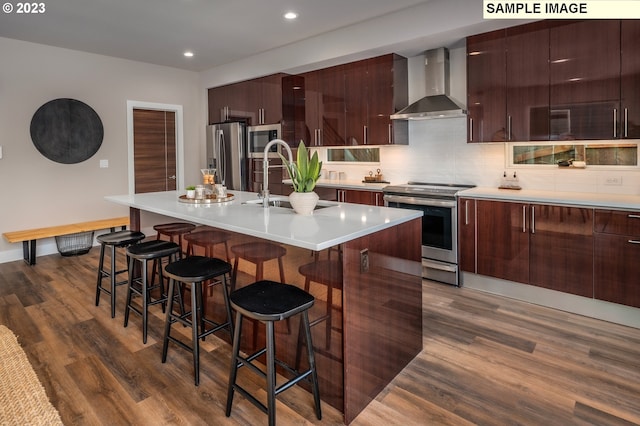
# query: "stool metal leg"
{"points": [[169, 320], [312, 364], [100, 274], [234, 363], [196, 323], [271, 374]]}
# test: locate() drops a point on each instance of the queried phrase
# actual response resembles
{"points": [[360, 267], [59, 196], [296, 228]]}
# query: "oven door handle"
{"points": [[419, 201]]}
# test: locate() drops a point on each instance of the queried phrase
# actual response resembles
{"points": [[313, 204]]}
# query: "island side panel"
{"points": [[382, 309]]}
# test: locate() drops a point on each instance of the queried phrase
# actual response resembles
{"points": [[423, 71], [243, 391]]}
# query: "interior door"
{"points": [[154, 150]]}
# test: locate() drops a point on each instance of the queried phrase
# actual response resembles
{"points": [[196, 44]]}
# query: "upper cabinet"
{"points": [[555, 80], [584, 63], [630, 79], [527, 92], [258, 101], [486, 90], [351, 104], [376, 88]]}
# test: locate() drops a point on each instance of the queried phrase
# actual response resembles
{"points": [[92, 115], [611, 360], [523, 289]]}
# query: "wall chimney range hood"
{"points": [[437, 103]]}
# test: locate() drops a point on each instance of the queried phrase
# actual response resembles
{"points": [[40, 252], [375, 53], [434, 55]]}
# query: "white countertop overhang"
{"points": [[327, 227], [580, 199]]}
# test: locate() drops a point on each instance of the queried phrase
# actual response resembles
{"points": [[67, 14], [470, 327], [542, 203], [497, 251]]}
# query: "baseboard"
{"points": [[599, 309]]}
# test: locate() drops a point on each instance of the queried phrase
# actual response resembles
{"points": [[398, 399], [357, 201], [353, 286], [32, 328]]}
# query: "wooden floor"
{"points": [[486, 360]]}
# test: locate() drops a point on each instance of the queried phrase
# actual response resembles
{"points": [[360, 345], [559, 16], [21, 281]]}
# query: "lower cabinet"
{"points": [[371, 198], [561, 248], [543, 245], [276, 176], [617, 250]]}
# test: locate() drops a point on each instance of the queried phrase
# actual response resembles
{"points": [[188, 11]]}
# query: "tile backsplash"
{"points": [[438, 152]]}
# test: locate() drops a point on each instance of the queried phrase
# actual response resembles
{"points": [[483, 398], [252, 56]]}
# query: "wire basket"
{"points": [[75, 244]]}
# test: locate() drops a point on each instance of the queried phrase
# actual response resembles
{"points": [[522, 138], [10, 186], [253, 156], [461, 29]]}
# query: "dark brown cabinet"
{"points": [[350, 104], [374, 89], [508, 84], [561, 248], [630, 79], [617, 250], [542, 245], [258, 101], [467, 234], [486, 90], [527, 82], [502, 240], [584, 63], [370, 198]]}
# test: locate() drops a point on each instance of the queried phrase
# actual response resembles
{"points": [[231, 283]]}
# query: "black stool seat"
{"points": [[143, 252], [153, 249], [270, 301], [121, 238], [267, 302], [116, 239], [194, 270], [197, 268]]}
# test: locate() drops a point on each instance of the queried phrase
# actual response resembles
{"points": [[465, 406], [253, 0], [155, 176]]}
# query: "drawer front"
{"points": [[617, 222]]}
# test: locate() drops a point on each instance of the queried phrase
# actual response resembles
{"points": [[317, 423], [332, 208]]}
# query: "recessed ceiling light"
{"points": [[188, 54], [290, 15]]}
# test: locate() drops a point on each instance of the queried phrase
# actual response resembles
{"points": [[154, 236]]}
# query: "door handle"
{"points": [[172, 177]]}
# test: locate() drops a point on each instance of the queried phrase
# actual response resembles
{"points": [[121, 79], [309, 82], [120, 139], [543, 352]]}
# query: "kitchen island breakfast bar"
{"points": [[361, 263]]}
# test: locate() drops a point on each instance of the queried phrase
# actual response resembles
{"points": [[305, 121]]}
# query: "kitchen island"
{"points": [[362, 264]]}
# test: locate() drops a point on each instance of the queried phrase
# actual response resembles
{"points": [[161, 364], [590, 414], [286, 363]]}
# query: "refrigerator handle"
{"points": [[221, 157]]}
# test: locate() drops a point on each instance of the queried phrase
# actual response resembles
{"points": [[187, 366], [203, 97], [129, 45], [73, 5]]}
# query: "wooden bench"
{"points": [[28, 237]]}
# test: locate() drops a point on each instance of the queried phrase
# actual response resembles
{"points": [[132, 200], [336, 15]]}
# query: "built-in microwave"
{"points": [[259, 136]]}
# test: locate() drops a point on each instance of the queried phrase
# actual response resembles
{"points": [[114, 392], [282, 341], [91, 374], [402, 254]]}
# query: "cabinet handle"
{"points": [[524, 218], [633, 216], [634, 241], [364, 134], [533, 219], [615, 116], [470, 129], [626, 122], [390, 134], [509, 127], [378, 199], [466, 212]]}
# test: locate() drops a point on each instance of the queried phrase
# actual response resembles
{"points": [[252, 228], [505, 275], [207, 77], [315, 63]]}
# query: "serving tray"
{"points": [[209, 199]]}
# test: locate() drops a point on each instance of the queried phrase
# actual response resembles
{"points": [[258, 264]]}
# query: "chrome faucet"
{"points": [[265, 168]]}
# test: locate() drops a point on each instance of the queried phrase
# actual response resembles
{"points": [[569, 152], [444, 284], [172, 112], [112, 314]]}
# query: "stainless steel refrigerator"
{"points": [[227, 153]]}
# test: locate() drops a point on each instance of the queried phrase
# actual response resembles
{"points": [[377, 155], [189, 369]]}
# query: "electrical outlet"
{"points": [[613, 180], [104, 164], [364, 260]]}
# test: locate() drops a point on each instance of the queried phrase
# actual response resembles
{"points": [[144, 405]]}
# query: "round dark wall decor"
{"points": [[66, 131]]}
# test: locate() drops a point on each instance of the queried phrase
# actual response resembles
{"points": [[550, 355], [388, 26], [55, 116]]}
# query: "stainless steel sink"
{"points": [[284, 203]]}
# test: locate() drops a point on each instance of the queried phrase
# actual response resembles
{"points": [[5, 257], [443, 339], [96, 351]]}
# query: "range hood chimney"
{"points": [[437, 103]]}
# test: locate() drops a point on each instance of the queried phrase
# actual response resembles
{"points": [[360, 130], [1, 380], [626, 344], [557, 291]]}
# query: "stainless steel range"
{"points": [[438, 203]]}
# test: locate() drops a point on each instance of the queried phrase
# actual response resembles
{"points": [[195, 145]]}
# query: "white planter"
{"points": [[191, 193], [303, 202]]}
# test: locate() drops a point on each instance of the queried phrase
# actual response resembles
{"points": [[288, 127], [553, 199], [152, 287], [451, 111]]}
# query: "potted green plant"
{"points": [[191, 191], [304, 173]]}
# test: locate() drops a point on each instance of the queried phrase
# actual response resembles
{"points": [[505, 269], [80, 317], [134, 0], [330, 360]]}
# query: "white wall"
{"points": [[37, 192]]}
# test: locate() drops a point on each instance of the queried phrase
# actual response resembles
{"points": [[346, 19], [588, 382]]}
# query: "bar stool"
{"points": [[174, 231], [194, 270], [113, 240], [143, 253], [257, 252], [207, 239], [328, 273], [268, 302]]}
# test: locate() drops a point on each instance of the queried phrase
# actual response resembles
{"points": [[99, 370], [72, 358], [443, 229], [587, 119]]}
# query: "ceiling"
{"points": [[160, 31]]}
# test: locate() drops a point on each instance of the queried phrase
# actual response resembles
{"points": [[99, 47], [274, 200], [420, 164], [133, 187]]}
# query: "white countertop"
{"points": [[347, 184], [339, 223], [585, 199]]}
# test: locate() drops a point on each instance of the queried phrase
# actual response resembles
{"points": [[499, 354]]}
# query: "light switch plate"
{"points": [[104, 164], [0, 151]]}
